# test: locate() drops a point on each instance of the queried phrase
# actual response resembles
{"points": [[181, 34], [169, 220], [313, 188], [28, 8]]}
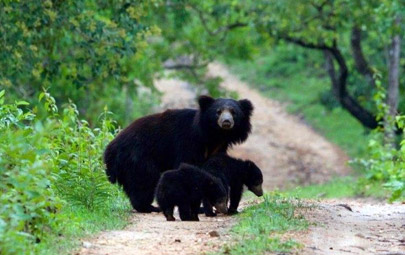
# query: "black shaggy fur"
{"points": [[159, 142], [234, 173], [185, 188]]}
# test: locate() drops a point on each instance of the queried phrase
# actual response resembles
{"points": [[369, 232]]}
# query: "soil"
{"points": [[290, 153], [354, 227]]}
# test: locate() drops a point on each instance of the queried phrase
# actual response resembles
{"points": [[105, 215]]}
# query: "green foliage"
{"points": [[204, 30], [45, 167], [194, 33], [81, 50], [79, 163], [260, 226], [384, 162], [77, 223], [340, 187], [28, 203]]}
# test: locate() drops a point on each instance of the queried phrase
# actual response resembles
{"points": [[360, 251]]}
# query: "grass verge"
{"points": [[260, 226], [80, 223], [343, 187]]}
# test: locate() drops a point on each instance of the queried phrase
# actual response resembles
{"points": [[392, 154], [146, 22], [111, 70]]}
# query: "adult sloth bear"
{"points": [[159, 142]]}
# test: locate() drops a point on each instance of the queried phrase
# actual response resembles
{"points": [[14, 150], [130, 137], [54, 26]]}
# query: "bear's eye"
{"points": [[232, 111], [219, 111]]}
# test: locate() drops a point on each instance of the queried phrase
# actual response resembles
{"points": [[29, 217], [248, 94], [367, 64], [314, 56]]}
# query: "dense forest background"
{"points": [[74, 72]]}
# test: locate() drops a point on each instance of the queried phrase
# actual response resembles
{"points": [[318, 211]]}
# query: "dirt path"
{"points": [[354, 227], [151, 234], [288, 152]]}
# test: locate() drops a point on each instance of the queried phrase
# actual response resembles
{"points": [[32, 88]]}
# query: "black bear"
{"points": [[186, 187], [159, 142], [234, 173]]}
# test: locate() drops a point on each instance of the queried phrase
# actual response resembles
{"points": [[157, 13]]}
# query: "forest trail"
{"points": [[353, 226], [289, 153]]}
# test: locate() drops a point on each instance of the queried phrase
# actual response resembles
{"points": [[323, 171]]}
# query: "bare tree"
{"points": [[394, 53]]}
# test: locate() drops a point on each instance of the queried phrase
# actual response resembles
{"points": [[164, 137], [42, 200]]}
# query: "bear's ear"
{"points": [[246, 106], [205, 101]]}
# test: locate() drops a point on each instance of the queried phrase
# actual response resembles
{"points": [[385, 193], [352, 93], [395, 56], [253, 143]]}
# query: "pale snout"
{"points": [[225, 120]]}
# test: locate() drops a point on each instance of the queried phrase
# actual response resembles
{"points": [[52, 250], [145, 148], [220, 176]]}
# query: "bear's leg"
{"points": [[140, 185], [141, 201], [185, 212], [235, 196], [208, 209], [168, 212], [195, 207]]}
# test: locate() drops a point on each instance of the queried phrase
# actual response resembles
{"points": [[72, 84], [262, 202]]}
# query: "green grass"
{"points": [[81, 223], [339, 188], [303, 85], [260, 226]]}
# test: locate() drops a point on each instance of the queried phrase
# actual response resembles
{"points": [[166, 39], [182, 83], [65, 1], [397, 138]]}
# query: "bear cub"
{"points": [[234, 173], [186, 187]]}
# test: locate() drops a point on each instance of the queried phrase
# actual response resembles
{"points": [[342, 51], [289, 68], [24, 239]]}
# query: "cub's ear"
{"points": [[205, 101], [246, 106]]}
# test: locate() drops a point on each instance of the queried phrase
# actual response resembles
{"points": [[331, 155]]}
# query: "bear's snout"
{"points": [[222, 206], [225, 120], [257, 190]]}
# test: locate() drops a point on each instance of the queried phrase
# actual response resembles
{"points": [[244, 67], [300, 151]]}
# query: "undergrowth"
{"points": [[52, 182], [261, 226]]}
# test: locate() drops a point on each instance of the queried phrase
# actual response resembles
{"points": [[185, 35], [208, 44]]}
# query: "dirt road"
{"points": [[289, 153], [354, 227]]}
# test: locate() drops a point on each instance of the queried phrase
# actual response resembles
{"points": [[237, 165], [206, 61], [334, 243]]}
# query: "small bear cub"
{"points": [[186, 187], [234, 173]]}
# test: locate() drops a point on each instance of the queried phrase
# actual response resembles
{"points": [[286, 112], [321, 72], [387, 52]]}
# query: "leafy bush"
{"points": [[385, 162], [77, 154], [45, 165], [28, 202], [84, 50]]}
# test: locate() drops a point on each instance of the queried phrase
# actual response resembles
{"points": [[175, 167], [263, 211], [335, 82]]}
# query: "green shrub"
{"points": [[385, 163], [46, 166], [93, 52], [28, 201]]}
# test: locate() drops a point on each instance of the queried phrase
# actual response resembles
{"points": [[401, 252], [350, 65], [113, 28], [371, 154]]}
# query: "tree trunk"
{"points": [[393, 84]]}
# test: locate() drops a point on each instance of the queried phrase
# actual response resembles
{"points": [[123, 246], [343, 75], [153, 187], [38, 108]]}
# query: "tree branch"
{"points": [[349, 103], [339, 81], [225, 28], [304, 44], [359, 59]]}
